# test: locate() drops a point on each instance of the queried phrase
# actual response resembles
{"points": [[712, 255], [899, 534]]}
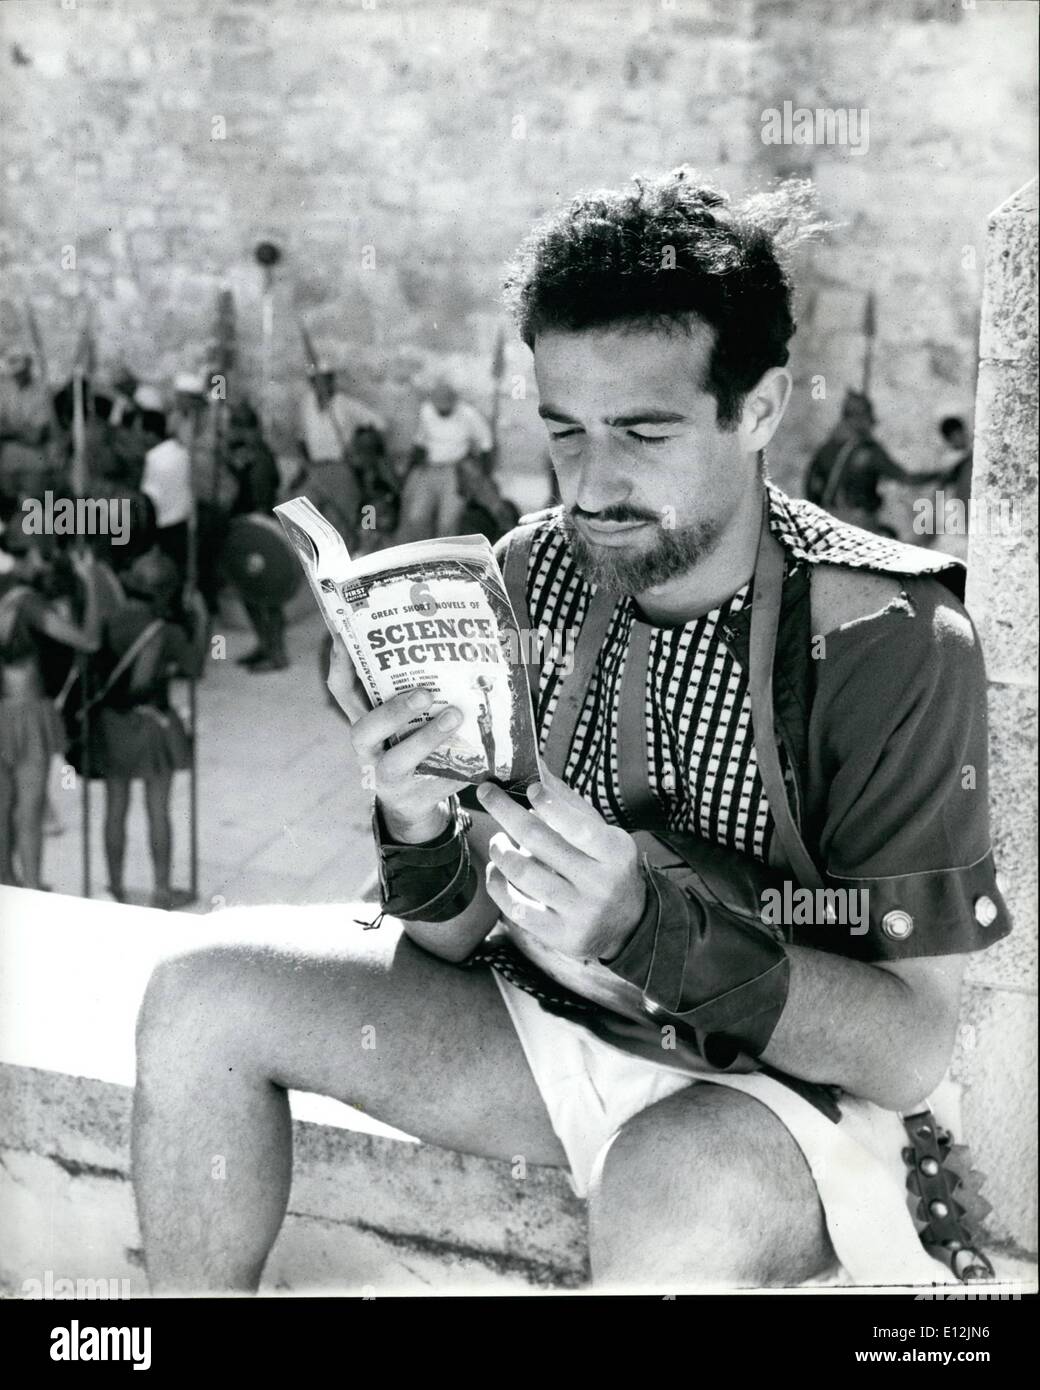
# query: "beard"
{"points": [[673, 551]]}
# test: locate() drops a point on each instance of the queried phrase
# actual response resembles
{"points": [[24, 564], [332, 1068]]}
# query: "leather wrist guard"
{"points": [[429, 882], [712, 971]]}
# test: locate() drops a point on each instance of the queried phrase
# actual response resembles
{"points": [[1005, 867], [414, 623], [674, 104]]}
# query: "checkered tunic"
{"points": [[700, 749], [697, 711], [701, 760]]}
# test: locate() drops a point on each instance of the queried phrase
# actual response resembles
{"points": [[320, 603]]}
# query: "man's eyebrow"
{"points": [[638, 417], [647, 417]]}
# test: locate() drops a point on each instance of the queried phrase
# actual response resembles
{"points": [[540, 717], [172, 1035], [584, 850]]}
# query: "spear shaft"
{"points": [[869, 336]]}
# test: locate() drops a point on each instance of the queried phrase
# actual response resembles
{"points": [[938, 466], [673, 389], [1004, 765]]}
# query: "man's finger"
{"points": [[528, 875], [388, 719], [524, 911], [576, 820], [534, 835], [403, 759]]}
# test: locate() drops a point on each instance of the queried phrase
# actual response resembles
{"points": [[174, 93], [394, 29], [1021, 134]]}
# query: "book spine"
{"points": [[360, 654]]}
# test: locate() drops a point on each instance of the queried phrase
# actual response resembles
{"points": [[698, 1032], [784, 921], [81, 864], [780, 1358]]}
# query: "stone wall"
{"points": [[366, 1215], [945, 91], [397, 149], [996, 1057]]}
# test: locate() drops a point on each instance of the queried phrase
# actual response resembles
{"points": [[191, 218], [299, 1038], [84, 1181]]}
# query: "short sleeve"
{"points": [[898, 764], [479, 432], [422, 433]]}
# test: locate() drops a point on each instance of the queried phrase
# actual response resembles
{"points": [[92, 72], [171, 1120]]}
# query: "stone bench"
{"points": [[369, 1207]]}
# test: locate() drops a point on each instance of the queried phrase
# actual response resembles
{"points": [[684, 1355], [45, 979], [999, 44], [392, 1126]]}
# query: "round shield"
{"points": [[259, 561]]}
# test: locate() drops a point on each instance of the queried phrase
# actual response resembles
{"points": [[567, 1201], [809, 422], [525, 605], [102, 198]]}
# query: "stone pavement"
{"points": [[282, 814]]}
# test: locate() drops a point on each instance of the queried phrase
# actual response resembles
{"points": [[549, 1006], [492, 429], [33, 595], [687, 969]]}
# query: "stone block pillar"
{"points": [[996, 1056]]}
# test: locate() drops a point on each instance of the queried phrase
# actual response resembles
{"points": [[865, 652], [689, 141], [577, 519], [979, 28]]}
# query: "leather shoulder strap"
{"points": [[632, 770], [128, 658], [588, 647], [577, 680], [633, 753], [514, 574], [766, 599]]}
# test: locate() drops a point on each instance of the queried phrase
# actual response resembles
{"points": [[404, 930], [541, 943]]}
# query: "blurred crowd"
{"points": [[94, 626], [854, 477]]}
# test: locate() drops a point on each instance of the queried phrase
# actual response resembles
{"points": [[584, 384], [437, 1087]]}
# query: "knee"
{"points": [[636, 1242], [222, 994], [679, 1198], [187, 999]]}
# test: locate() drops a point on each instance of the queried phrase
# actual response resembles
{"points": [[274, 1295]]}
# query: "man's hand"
{"points": [[561, 872], [414, 805]]}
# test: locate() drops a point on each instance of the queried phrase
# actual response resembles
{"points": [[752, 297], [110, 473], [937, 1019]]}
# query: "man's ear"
{"points": [[764, 407]]}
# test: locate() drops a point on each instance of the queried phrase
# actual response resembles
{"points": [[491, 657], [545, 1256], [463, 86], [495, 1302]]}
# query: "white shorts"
{"points": [[590, 1088]]}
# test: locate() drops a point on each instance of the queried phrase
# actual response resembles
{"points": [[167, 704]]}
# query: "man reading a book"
{"points": [[550, 977]]}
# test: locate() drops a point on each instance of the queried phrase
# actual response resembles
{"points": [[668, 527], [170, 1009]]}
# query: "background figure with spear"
{"points": [[450, 486], [83, 367], [487, 512], [159, 631], [30, 438], [31, 732], [847, 469], [342, 443]]}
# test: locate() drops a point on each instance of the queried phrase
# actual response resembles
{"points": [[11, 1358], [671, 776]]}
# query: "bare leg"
{"points": [[7, 873], [160, 836], [450, 505], [368, 1018], [117, 805], [255, 614], [276, 629], [418, 507], [30, 799], [705, 1188], [51, 819]]}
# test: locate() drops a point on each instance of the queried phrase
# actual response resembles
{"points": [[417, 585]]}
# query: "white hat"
{"points": [[189, 384], [149, 397]]}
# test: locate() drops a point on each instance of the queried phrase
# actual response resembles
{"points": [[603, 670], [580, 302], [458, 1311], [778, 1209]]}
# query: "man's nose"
{"points": [[602, 481]]}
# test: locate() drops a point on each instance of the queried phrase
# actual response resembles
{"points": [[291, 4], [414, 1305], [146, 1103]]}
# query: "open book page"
{"points": [[432, 614]]}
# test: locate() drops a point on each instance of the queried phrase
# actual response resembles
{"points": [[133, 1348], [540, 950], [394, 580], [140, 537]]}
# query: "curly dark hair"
{"points": [[664, 253]]}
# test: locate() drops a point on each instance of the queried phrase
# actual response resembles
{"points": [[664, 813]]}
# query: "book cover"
{"points": [[434, 615]]}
